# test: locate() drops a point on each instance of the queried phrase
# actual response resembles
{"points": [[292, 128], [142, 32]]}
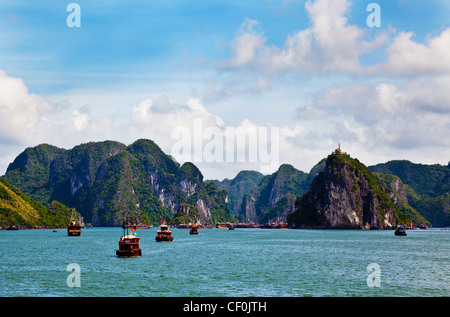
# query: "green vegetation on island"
{"points": [[346, 195], [106, 181], [19, 210]]}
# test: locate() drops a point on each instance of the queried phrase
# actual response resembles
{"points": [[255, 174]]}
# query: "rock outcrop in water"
{"points": [[345, 196]]}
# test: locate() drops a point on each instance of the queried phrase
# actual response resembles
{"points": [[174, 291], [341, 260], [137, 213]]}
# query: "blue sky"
{"points": [[135, 38], [305, 67]]}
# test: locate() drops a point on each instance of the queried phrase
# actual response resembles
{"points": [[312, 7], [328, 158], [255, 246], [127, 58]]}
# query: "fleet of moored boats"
{"points": [[129, 242]]}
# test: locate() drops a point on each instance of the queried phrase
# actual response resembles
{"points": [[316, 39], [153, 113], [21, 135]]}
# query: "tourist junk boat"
{"points": [[164, 234], [400, 231], [128, 243], [193, 230], [74, 228]]}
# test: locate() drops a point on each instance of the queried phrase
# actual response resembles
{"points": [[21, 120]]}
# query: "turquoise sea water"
{"points": [[221, 262]]}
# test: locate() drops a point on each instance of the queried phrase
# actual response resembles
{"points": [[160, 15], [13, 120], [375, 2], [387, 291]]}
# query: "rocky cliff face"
{"points": [[106, 180], [187, 214], [238, 187], [345, 196], [273, 199], [398, 192], [427, 187]]}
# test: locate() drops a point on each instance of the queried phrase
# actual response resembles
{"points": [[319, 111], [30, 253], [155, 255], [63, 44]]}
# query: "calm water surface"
{"points": [[221, 262]]}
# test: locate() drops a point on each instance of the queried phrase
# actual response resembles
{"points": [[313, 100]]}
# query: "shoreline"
{"points": [[310, 228]]}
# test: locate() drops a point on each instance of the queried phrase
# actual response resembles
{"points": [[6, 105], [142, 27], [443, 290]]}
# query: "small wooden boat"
{"points": [[164, 234], [193, 230], [128, 243], [74, 228], [400, 231]]}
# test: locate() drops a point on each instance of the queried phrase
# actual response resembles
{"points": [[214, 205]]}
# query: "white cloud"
{"points": [[149, 119], [398, 106], [28, 119], [22, 115], [79, 120], [246, 44], [406, 57], [330, 44], [374, 121], [412, 115]]}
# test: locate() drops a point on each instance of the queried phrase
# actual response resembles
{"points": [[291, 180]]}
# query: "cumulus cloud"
{"points": [[406, 57], [332, 44], [157, 118], [22, 115], [402, 108], [248, 145], [30, 119], [411, 115], [246, 43], [27, 119], [397, 106]]}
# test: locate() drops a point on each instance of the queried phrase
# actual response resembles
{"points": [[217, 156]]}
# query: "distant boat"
{"points": [[128, 243], [274, 225], [221, 225], [193, 230], [204, 226], [142, 226], [252, 225], [400, 231], [74, 228], [164, 234]]}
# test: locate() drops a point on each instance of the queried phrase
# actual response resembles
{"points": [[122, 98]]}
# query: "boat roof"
{"points": [[130, 236]]}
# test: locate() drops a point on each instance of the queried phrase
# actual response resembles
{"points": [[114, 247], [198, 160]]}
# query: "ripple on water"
{"points": [[243, 262]]}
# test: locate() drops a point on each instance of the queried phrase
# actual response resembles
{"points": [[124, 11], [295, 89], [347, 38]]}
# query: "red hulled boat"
{"points": [[128, 243], [193, 230], [164, 234], [74, 227]]}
